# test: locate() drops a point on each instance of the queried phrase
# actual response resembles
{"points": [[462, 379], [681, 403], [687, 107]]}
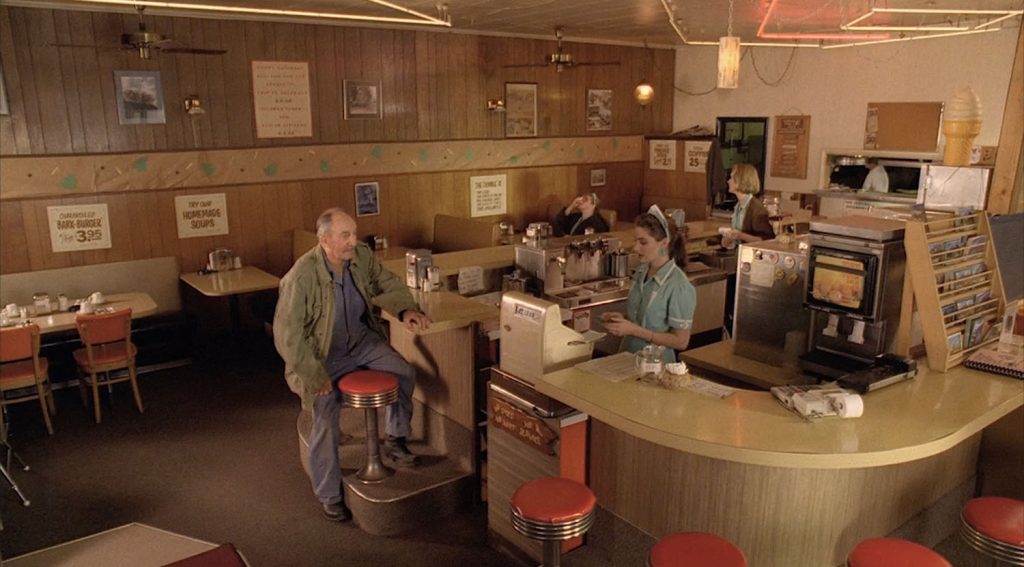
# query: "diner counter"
{"points": [[448, 310], [868, 196], [911, 420]]}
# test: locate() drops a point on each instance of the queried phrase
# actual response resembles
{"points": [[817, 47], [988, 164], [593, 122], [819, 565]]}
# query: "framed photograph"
{"points": [[367, 199], [599, 110], [598, 177], [140, 97], [362, 100], [520, 110]]}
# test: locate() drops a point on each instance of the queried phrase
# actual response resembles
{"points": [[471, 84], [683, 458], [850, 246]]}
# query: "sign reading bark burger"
{"points": [[523, 426]]}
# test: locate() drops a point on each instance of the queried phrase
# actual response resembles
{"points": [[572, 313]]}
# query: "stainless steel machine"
{"points": [[854, 289], [581, 275], [770, 321]]}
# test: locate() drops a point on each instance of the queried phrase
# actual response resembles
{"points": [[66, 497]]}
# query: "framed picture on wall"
{"points": [[140, 97], [362, 100], [520, 110], [599, 110], [367, 199], [598, 177]]}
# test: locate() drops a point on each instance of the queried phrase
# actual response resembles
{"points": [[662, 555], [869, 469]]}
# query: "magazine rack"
{"points": [[951, 263]]}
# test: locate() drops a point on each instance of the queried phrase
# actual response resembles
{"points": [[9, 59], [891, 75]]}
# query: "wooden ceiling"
{"points": [[630, 21]]}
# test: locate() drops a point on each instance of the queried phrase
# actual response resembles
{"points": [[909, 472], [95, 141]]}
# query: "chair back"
{"points": [[103, 328], [19, 343]]}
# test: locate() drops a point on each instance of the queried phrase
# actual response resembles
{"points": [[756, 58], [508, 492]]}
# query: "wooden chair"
{"points": [[23, 373], [108, 347]]}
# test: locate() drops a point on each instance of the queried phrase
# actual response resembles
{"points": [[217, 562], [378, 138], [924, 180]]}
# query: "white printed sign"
{"points": [[471, 279], [663, 154], [696, 156], [280, 91], [79, 227], [201, 215], [488, 195]]}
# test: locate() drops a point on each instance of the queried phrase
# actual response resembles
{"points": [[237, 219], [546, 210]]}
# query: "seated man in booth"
{"points": [[580, 215], [325, 328]]}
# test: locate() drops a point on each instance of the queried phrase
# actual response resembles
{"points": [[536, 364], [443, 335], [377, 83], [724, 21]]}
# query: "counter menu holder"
{"points": [[951, 263]]}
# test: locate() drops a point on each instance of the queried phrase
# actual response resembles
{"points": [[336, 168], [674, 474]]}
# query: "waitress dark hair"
{"points": [[677, 244]]}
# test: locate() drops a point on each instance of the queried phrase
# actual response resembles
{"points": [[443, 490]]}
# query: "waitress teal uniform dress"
{"points": [[661, 303]]}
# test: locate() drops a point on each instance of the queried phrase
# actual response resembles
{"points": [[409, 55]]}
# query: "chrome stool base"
{"points": [[374, 470]]}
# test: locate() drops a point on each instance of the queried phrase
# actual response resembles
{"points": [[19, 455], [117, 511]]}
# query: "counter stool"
{"points": [[995, 526], [551, 510], [695, 549], [370, 389], [891, 552]]}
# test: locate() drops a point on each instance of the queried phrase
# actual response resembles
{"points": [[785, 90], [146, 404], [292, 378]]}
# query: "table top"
{"points": [[141, 303], [449, 310], [907, 421], [232, 282]]}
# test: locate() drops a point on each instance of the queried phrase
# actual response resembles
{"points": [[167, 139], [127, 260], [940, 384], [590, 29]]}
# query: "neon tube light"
{"points": [[816, 36]]}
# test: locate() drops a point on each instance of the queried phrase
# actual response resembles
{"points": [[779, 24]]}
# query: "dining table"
{"points": [[140, 303], [231, 284]]}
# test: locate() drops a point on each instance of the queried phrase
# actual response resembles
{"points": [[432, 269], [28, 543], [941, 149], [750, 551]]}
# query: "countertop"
{"points": [[448, 310], [868, 196], [907, 421]]}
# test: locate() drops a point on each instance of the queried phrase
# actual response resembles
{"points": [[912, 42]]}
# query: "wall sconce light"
{"points": [[193, 105], [643, 93], [729, 58], [496, 105]]}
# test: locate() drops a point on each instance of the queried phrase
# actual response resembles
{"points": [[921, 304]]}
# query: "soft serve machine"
{"points": [[585, 275]]}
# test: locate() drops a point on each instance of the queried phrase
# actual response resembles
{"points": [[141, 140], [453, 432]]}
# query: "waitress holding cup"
{"points": [[662, 300]]}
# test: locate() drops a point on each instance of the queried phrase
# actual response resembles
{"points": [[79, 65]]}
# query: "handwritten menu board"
{"points": [[79, 227], [280, 91], [789, 148], [201, 215], [662, 154], [487, 195]]}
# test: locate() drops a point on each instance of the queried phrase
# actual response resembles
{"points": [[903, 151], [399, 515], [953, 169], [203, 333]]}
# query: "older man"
{"points": [[325, 327]]}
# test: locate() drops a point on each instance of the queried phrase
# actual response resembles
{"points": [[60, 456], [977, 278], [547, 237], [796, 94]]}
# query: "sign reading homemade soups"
{"points": [[79, 227], [201, 215]]}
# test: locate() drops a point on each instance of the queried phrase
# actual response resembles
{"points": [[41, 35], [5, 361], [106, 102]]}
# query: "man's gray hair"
{"points": [[326, 220]]}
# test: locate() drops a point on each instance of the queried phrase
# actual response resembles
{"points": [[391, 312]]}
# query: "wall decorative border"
{"points": [[50, 176]]}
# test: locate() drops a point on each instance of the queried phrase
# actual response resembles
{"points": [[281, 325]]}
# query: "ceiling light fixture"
{"points": [[643, 93], [729, 58], [908, 38], [810, 35], [417, 18], [1003, 15]]}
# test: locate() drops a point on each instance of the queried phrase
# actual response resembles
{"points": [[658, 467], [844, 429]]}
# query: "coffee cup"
{"points": [[11, 310], [97, 298], [86, 308]]}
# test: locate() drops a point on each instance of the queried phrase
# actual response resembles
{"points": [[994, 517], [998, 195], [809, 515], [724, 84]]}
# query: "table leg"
{"points": [[236, 315]]}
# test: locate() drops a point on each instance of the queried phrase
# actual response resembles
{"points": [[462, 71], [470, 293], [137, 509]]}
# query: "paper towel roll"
{"points": [[848, 405]]}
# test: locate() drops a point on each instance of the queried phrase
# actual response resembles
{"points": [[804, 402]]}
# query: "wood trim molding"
{"points": [[1005, 195], [61, 176]]}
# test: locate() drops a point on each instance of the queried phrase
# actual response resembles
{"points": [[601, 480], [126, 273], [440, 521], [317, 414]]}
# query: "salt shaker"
{"points": [[62, 302], [236, 262]]}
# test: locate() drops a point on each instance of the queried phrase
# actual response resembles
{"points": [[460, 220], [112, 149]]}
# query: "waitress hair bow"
{"points": [[656, 212]]}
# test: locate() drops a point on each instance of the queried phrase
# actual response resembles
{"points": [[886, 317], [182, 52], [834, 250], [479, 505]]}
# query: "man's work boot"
{"points": [[396, 450]]}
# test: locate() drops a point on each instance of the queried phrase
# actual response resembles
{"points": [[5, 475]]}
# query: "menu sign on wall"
{"points": [[789, 148], [663, 154], [280, 91], [696, 156], [201, 215], [488, 195], [79, 227]]}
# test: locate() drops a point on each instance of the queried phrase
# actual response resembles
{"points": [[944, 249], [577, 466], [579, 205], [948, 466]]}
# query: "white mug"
{"points": [[96, 298], [11, 310], [86, 308]]}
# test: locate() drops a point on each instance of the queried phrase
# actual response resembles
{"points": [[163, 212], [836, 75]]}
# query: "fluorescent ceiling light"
{"points": [[417, 18]]}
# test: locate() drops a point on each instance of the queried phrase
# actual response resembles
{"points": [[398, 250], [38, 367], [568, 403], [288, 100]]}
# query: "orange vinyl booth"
{"points": [[108, 347], [22, 368]]}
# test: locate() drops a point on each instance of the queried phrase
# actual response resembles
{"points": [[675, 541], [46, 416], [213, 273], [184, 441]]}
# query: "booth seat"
{"points": [[453, 233], [164, 338]]}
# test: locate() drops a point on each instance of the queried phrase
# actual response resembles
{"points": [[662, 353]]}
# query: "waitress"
{"points": [[749, 219], [661, 301]]}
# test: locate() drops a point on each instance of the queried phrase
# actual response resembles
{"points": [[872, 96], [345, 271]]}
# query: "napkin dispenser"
{"points": [[221, 260]]}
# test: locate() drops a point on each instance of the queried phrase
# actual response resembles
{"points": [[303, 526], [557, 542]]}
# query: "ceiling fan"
{"points": [[561, 59], [145, 41]]}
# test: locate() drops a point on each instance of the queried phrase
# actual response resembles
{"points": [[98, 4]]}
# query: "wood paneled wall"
{"points": [[434, 85], [261, 217]]}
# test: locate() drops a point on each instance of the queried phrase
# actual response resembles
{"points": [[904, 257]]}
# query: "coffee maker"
{"points": [[854, 290]]}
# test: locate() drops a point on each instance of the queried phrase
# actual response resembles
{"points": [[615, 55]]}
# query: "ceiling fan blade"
{"points": [[86, 45], [594, 63], [524, 65], [192, 50]]}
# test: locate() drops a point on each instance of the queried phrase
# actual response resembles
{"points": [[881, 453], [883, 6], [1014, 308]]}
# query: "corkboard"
{"points": [[907, 126]]}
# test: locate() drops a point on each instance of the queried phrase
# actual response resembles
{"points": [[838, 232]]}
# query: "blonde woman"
{"points": [[749, 218]]}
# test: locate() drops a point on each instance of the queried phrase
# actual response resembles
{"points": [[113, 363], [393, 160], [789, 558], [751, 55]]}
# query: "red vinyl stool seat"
{"points": [[369, 390], [891, 552], [551, 510], [995, 526], [695, 549]]}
